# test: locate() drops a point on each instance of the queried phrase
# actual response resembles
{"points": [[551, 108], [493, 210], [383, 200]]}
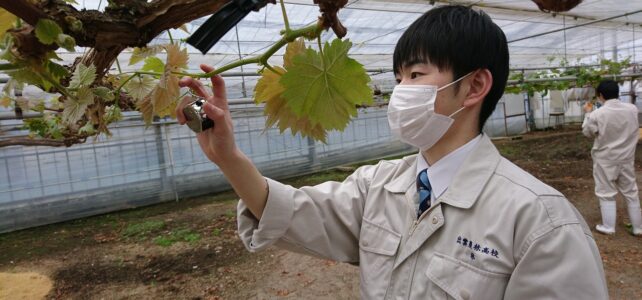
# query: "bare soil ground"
{"points": [[190, 249]]}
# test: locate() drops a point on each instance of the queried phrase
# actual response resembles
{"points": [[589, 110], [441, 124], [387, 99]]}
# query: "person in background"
{"points": [[616, 131], [456, 220]]}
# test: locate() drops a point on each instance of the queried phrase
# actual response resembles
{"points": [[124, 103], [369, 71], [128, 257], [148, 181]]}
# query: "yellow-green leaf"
{"points": [[139, 87], [326, 88], [56, 70], [6, 21], [294, 48], [87, 129], [66, 42], [75, 107], [154, 64], [83, 76], [26, 76], [39, 105], [47, 31], [104, 93], [113, 114], [269, 90], [54, 103], [138, 54], [268, 86]]}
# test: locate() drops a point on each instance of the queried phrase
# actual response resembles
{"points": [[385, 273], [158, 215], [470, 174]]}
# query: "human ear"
{"points": [[480, 83]]}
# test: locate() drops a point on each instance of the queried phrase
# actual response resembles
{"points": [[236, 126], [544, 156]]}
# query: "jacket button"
{"points": [[365, 243], [435, 220], [465, 294]]}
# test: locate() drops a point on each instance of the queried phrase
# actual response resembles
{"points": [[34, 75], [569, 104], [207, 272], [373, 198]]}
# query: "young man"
{"points": [[455, 221], [615, 128]]}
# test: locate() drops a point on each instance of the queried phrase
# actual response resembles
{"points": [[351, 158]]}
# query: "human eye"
{"points": [[414, 75]]}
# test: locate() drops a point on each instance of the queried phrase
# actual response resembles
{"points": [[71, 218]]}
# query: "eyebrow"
{"points": [[411, 63], [415, 61]]}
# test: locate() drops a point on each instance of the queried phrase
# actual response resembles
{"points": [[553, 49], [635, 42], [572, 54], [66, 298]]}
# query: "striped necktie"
{"points": [[424, 189]]}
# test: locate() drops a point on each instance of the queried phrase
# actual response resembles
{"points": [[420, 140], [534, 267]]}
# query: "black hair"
{"points": [[609, 89], [460, 39]]}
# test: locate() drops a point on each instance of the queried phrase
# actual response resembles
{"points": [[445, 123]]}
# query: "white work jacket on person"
{"points": [[496, 232], [615, 128]]}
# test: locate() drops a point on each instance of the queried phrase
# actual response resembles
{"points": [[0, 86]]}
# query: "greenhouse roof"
{"points": [[374, 26]]}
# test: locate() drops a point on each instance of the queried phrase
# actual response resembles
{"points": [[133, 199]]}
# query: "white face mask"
{"points": [[412, 117]]}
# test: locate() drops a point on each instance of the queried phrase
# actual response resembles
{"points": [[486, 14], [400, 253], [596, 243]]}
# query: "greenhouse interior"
{"points": [[126, 207]]}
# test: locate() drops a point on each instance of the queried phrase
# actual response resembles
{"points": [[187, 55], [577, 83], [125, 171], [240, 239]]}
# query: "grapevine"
{"points": [[87, 98]]}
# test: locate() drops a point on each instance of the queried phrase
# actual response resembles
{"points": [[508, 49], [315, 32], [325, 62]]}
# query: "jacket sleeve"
{"points": [[589, 126], [322, 220], [562, 263]]}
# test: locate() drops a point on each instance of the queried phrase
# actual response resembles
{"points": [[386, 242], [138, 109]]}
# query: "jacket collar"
{"points": [[403, 181], [468, 182]]}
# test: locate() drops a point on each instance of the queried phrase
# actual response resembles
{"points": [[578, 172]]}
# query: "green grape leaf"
{"points": [[104, 93], [54, 103], [26, 76], [326, 87], [113, 114], [47, 31], [55, 133], [6, 21], [139, 54], [66, 41], [154, 64], [56, 70], [83, 76], [39, 106], [6, 44], [36, 125], [140, 86], [75, 108], [52, 55], [269, 90], [11, 85], [88, 129]]}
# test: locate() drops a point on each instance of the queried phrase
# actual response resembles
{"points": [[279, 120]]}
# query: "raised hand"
{"points": [[217, 143]]}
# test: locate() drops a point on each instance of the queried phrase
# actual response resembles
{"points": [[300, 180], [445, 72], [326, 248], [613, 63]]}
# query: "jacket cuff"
{"points": [[277, 216]]}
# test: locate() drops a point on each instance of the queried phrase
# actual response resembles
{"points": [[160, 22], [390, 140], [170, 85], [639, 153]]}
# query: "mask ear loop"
{"points": [[460, 109], [458, 80]]}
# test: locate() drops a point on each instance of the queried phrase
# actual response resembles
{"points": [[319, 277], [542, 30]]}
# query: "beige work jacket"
{"points": [[496, 232], [615, 128]]}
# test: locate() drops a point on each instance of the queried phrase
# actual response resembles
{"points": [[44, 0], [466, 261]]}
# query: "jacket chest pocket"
{"points": [[377, 248], [454, 279]]}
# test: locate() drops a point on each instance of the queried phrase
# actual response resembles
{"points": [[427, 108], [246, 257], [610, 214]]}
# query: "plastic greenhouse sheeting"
{"points": [[138, 166], [375, 26]]}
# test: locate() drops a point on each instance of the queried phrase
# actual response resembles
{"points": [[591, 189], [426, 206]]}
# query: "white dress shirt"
{"points": [[442, 172]]}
